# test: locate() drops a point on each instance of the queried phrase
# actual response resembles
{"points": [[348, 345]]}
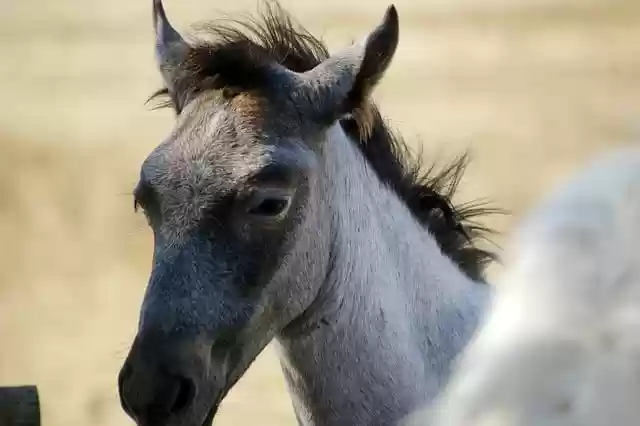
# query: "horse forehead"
{"points": [[213, 143], [213, 165], [222, 131]]}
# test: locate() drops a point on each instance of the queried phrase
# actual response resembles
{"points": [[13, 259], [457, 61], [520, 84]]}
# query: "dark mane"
{"points": [[240, 57]]}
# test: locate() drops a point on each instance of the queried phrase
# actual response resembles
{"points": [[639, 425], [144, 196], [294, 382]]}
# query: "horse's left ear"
{"points": [[379, 50], [343, 82]]}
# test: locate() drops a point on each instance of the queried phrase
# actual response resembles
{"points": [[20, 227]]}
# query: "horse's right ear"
{"points": [[171, 49]]}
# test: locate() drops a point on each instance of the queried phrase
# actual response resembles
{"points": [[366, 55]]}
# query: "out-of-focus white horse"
{"points": [[561, 343]]}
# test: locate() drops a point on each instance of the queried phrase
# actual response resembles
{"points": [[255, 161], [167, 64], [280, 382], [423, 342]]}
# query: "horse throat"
{"points": [[391, 315]]}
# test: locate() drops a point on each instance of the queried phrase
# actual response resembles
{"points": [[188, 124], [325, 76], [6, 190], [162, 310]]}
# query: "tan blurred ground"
{"points": [[533, 87]]}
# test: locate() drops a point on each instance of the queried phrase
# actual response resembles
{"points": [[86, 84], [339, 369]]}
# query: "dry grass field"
{"points": [[532, 87]]}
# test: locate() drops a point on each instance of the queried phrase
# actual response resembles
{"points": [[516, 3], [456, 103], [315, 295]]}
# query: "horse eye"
{"points": [[270, 206]]}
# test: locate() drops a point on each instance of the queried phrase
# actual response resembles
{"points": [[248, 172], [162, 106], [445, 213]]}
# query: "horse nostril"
{"points": [[184, 396]]}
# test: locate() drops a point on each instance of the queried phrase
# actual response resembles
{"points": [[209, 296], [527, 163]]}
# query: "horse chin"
{"points": [[236, 372], [208, 421]]}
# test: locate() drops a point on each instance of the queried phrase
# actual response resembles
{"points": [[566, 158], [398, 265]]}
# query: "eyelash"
{"points": [[138, 208], [143, 196]]}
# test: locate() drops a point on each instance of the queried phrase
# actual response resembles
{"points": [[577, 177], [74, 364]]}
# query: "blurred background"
{"points": [[533, 88]]}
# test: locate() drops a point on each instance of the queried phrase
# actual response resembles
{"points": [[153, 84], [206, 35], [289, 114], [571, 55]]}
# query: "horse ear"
{"points": [[171, 48], [344, 81], [379, 50]]}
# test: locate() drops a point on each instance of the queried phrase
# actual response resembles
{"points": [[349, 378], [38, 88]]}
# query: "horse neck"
{"points": [[391, 314]]}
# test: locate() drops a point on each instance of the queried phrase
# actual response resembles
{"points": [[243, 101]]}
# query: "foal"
{"points": [[283, 208]]}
